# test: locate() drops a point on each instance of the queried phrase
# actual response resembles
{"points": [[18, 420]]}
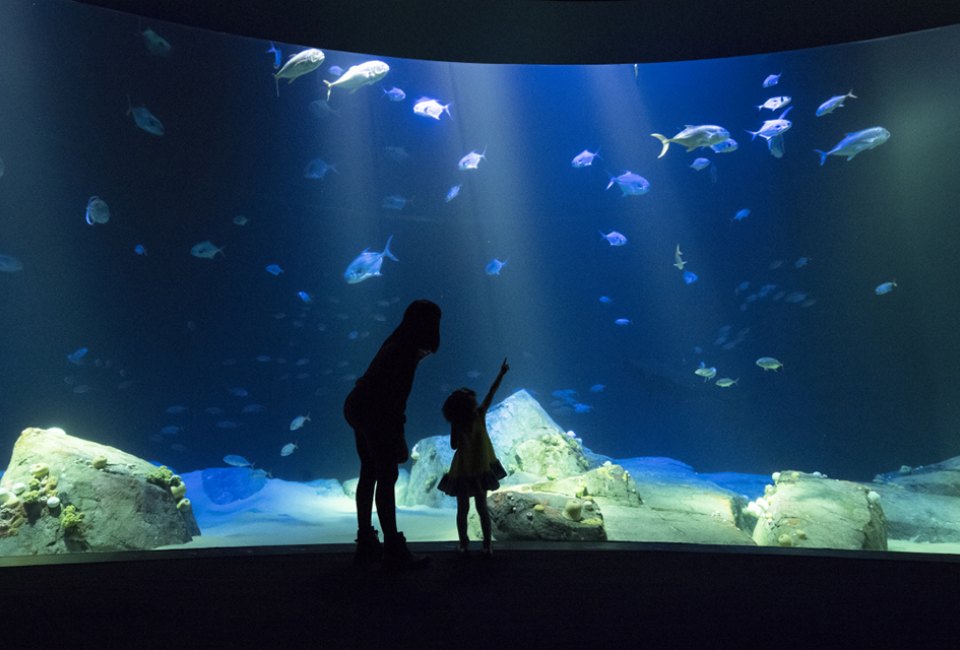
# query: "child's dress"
{"points": [[475, 468]]}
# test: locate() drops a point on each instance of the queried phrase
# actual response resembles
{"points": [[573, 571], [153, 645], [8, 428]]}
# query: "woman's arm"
{"points": [[493, 387]]}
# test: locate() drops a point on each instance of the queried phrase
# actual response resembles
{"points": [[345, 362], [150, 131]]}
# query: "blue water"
{"points": [[867, 383]]}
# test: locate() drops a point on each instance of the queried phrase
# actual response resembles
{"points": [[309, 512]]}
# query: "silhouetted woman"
{"points": [[375, 409]]}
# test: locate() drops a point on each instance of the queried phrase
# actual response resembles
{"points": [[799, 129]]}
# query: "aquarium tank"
{"points": [[726, 288]]}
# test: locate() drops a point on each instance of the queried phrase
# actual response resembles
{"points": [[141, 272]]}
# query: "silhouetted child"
{"points": [[475, 468]]}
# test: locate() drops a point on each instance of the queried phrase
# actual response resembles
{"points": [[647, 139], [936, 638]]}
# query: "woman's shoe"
{"points": [[462, 549], [487, 551], [369, 550]]}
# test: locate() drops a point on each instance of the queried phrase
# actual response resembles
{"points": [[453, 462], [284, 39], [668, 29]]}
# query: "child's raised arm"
{"points": [[493, 387]]}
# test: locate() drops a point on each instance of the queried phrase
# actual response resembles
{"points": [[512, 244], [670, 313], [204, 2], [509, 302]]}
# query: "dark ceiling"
{"points": [[542, 31]]}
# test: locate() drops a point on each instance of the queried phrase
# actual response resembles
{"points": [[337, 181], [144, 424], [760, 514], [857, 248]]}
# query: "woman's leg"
{"points": [[463, 509], [365, 489], [387, 500]]}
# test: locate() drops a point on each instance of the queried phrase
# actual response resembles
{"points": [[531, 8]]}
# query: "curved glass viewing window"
{"points": [[727, 289]]}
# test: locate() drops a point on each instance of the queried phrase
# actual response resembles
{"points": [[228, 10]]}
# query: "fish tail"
{"points": [[329, 88], [276, 82], [666, 144], [851, 95], [387, 252], [753, 134], [823, 156]]}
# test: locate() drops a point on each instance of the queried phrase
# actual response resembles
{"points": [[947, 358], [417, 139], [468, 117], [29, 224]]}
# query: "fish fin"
{"points": [[753, 134], [329, 88], [851, 95], [276, 82], [823, 156], [446, 109], [666, 145], [783, 114], [387, 252]]}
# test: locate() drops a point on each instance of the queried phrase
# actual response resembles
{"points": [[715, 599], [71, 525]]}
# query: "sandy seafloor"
{"points": [[290, 513]]}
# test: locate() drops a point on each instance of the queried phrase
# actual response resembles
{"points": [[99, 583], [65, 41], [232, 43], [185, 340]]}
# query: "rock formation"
{"points": [[63, 494]]}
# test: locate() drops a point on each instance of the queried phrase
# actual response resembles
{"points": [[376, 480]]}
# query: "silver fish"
{"points": [[854, 143], [357, 76], [694, 137], [367, 264], [298, 65]]}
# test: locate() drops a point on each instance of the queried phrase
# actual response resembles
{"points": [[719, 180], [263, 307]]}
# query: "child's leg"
{"points": [[463, 509], [480, 501]]}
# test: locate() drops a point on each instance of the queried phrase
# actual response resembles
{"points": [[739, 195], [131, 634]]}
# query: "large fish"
{"points": [[854, 143], [298, 65], [694, 137], [356, 76], [367, 264]]}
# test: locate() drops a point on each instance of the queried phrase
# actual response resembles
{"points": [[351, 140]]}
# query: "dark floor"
{"points": [[527, 596]]}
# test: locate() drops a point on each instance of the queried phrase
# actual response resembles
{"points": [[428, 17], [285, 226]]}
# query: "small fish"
{"points": [[254, 408], [427, 107], [630, 184], [318, 169], [144, 119], [395, 94], [689, 277], [693, 137], [854, 143], [214, 410], [367, 264], [299, 421], [452, 193], [305, 297], [472, 160], [885, 287], [139, 249], [801, 262], [357, 76], [743, 286], [240, 220], [678, 260], [10, 264], [771, 80], [277, 55], [237, 461], [726, 382], [156, 45], [238, 391], [274, 269], [614, 238], [171, 429], [775, 264], [774, 103], [582, 408], [700, 163], [176, 409], [769, 363], [493, 266], [288, 449], [584, 159], [741, 214], [622, 322], [228, 424], [298, 65], [727, 146], [76, 357], [394, 202], [97, 211], [774, 127], [834, 103], [597, 388], [705, 372], [606, 300], [205, 250]]}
